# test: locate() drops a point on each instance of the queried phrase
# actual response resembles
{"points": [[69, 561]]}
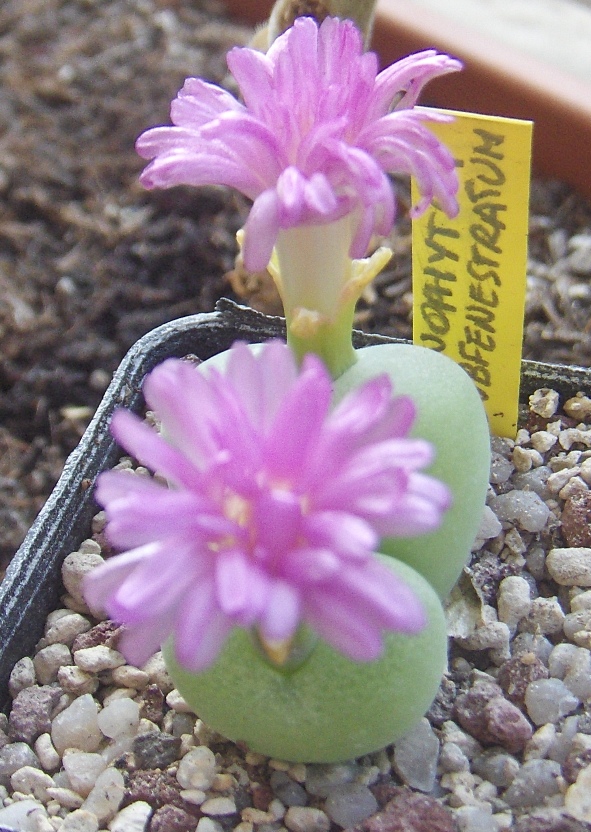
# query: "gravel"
{"points": [[93, 744]]}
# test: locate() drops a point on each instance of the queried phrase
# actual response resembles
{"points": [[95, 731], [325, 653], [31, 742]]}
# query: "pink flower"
{"points": [[318, 132], [275, 508]]}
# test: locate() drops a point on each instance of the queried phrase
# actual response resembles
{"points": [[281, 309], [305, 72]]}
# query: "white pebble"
{"points": [[586, 471], [197, 769], [130, 677], [194, 796], [74, 680], [577, 800], [538, 746], [581, 601], [98, 658], [219, 806], [121, 716], [561, 659], [576, 485], [547, 700], [83, 769], [45, 750], [514, 601], [570, 566], [542, 441], [522, 459], [80, 821], [77, 726], [32, 781], [210, 825], [545, 616], [306, 819], [49, 660], [66, 628], [75, 567], [65, 797], [175, 701], [155, 668], [570, 436], [133, 818], [544, 402], [579, 407], [558, 480], [577, 622], [16, 816], [106, 796]]}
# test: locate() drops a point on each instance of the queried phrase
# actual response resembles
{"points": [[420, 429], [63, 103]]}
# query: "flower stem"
{"points": [[330, 340]]}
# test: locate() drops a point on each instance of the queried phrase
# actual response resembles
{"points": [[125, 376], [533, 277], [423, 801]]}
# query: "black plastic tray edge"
{"points": [[31, 586]]}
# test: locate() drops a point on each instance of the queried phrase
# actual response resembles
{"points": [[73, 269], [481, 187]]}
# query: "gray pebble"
{"points": [[501, 469], [287, 790], [22, 676], [13, 756], [547, 700], [498, 767], [524, 508], [476, 819], [321, 779], [350, 804], [416, 755], [452, 758], [535, 480], [534, 643], [155, 750], [534, 782]]}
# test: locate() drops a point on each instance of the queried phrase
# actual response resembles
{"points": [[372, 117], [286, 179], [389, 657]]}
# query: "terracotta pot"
{"points": [[497, 80]]}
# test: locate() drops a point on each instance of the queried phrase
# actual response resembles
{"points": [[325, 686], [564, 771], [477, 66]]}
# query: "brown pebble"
{"points": [[106, 633], [262, 796], [506, 725], [549, 820], [158, 788], [515, 675], [574, 763], [31, 712], [410, 812], [576, 520], [490, 718], [151, 704], [172, 819]]}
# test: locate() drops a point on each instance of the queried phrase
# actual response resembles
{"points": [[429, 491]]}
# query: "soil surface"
{"points": [[89, 261]]}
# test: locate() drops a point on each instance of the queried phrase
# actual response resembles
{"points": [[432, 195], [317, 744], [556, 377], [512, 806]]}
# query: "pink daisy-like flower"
{"points": [[317, 133], [276, 505]]}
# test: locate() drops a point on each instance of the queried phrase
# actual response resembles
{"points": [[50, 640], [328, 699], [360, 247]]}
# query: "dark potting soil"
{"points": [[89, 261]]}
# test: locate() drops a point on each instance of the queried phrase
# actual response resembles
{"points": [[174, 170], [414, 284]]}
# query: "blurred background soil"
{"points": [[89, 261]]}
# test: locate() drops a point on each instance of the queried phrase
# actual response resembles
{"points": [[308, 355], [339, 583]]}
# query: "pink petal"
{"points": [[281, 616], [151, 450], [201, 628]]}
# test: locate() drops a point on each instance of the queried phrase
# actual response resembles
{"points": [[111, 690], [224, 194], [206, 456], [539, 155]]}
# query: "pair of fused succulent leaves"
{"points": [[284, 12]]}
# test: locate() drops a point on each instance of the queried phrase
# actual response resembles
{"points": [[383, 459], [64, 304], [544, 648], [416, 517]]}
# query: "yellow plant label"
{"points": [[469, 273]]}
